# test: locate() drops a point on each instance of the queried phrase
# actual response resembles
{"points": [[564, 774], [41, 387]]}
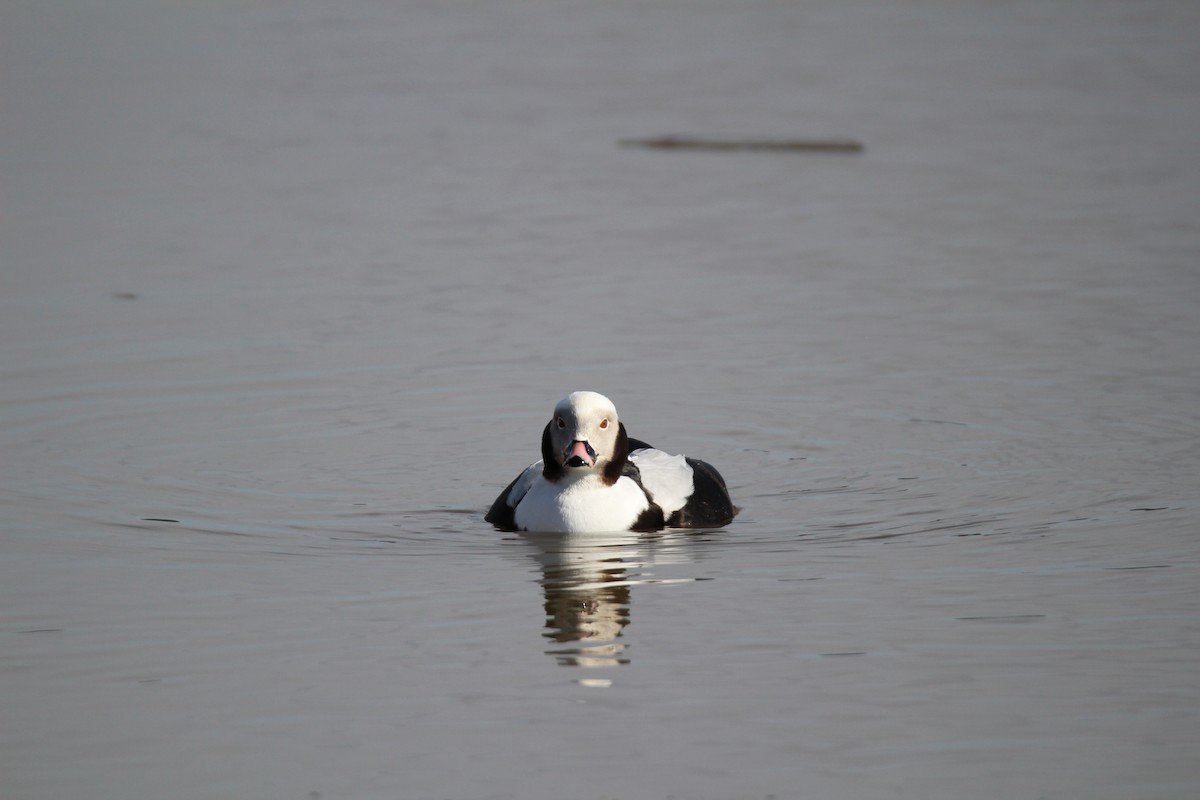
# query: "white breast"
{"points": [[580, 505]]}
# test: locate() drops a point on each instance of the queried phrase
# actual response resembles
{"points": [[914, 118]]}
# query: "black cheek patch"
{"points": [[616, 465], [552, 470]]}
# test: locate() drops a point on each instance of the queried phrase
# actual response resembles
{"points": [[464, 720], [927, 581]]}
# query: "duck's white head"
{"points": [[584, 434]]}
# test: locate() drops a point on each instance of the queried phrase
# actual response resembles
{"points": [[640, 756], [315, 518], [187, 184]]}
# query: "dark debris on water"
{"points": [[721, 144]]}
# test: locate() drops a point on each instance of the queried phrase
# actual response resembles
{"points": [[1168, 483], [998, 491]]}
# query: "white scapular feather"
{"points": [[667, 478]]}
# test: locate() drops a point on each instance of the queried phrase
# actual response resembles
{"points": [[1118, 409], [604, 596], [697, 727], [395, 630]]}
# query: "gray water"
{"points": [[288, 292]]}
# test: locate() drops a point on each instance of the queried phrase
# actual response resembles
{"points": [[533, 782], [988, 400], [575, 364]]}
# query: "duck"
{"points": [[593, 477]]}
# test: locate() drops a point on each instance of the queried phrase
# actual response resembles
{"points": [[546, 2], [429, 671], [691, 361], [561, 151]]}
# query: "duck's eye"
{"points": [[562, 423], [604, 422]]}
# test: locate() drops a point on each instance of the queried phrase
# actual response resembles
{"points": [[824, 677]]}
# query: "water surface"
{"points": [[289, 294]]}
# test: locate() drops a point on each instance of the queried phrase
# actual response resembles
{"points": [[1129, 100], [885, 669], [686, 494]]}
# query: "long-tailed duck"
{"points": [[592, 477]]}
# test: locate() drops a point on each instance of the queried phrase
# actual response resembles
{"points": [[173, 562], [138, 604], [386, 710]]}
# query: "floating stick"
{"points": [[680, 142]]}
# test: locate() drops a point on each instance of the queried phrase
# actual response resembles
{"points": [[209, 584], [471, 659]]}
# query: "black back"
{"points": [[709, 506], [501, 514]]}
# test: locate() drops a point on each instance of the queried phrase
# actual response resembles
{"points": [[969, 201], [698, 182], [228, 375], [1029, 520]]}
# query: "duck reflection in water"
{"points": [[587, 581]]}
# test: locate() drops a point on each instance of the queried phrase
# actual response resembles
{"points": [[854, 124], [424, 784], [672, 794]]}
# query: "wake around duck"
{"points": [[592, 477]]}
